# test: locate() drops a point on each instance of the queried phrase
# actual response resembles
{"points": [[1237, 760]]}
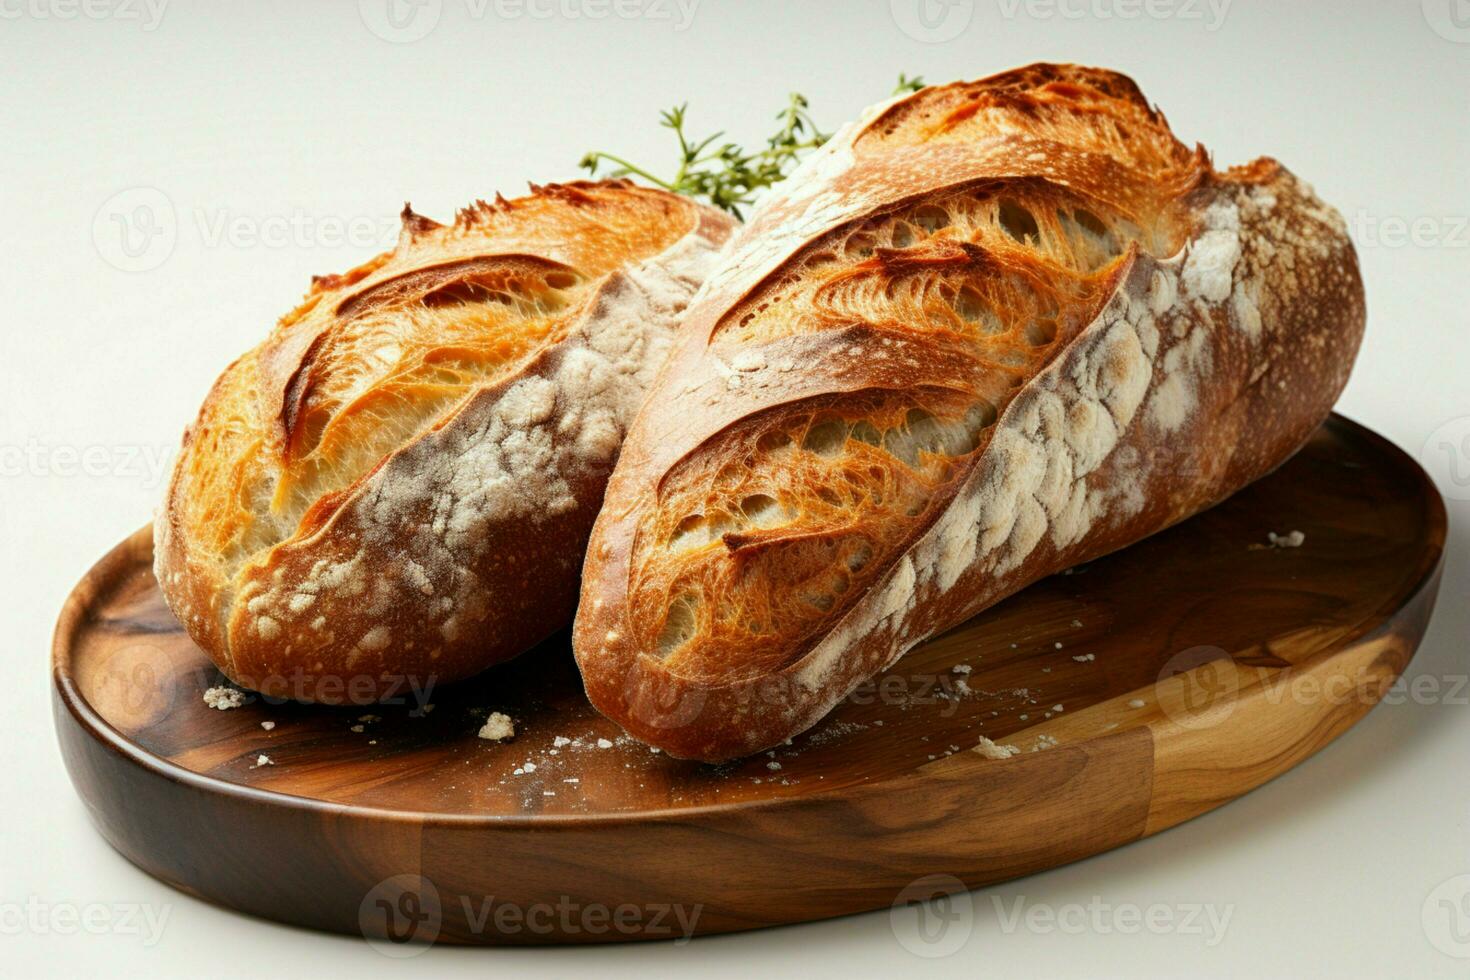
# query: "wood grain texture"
{"points": [[1189, 669]]}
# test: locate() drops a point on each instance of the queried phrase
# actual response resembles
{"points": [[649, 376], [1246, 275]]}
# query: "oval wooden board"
{"points": [[1188, 669]]}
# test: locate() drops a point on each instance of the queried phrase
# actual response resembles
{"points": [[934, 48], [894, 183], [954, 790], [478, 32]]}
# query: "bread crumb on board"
{"points": [[1136, 703], [498, 727], [267, 725], [263, 760], [224, 698], [1291, 539], [990, 750]]}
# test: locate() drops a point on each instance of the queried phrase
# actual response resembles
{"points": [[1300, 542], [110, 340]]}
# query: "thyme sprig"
{"points": [[724, 173], [907, 84]]}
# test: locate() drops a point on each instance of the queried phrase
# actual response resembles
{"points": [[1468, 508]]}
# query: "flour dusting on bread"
{"points": [[1030, 327], [400, 480]]}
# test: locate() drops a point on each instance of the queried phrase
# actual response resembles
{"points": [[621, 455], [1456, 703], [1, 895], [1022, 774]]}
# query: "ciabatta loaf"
{"points": [[398, 484], [989, 332]]}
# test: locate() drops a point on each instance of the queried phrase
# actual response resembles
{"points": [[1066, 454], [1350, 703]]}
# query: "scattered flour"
{"points": [[1044, 742], [990, 750], [224, 698], [497, 727], [1292, 539]]}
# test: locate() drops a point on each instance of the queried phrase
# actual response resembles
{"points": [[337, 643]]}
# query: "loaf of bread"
{"points": [[989, 332], [397, 486]]}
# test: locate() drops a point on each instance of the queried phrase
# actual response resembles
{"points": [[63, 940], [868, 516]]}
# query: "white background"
{"points": [[258, 115]]}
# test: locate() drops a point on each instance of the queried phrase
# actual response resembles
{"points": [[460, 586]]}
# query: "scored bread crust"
{"points": [[988, 332], [396, 487]]}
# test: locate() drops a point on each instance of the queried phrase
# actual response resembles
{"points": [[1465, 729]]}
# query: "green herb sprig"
{"points": [[723, 173], [907, 84]]}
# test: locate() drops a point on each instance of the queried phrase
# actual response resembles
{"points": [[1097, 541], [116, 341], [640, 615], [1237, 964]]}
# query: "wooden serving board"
{"points": [[1140, 691]]}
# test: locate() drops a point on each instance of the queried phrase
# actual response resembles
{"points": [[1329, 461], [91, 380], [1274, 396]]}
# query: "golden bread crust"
{"points": [[991, 331], [396, 486]]}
